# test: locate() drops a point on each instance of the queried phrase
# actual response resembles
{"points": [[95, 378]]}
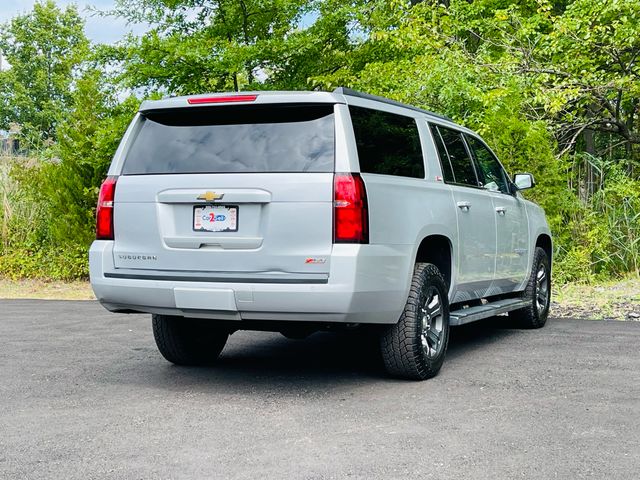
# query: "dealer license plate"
{"points": [[215, 218]]}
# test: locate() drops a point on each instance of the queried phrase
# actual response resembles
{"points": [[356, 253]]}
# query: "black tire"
{"points": [[537, 293], [409, 348], [298, 332], [188, 341]]}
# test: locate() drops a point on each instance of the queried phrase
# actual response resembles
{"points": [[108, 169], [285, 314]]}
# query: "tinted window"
{"points": [[447, 171], [387, 144], [492, 175], [281, 138], [461, 163]]}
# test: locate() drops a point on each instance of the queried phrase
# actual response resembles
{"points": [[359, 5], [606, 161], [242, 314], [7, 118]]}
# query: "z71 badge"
{"points": [[315, 261]]}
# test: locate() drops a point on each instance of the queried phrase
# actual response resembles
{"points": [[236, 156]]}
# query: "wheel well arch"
{"points": [[544, 242], [438, 250]]}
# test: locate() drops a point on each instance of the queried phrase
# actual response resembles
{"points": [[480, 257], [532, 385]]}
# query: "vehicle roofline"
{"points": [[263, 97], [354, 93], [339, 95]]}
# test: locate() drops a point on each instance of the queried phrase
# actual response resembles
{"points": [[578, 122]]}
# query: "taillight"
{"points": [[229, 98], [350, 214], [104, 212]]}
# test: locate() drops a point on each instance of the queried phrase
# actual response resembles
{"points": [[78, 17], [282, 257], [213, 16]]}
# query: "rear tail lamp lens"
{"points": [[350, 212], [104, 212]]}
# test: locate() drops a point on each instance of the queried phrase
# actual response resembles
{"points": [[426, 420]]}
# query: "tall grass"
{"points": [[619, 207], [26, 248], [20, 215], [601, 235], [6, 194]]}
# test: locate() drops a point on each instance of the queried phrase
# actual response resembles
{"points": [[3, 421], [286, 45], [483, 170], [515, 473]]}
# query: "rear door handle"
{"points": [[464, 206], [501, 210]]}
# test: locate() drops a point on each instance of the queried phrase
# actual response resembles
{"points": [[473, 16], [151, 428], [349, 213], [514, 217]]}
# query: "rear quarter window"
{"points": [[445, 163], [463, 170], [388, 144], [234, 139]]}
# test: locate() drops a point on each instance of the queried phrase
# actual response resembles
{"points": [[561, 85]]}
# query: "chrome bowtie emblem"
{"points": [[210, 196]]}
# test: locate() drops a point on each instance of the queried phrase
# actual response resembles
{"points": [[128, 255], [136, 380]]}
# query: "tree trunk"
{"points": [[590, 148]]}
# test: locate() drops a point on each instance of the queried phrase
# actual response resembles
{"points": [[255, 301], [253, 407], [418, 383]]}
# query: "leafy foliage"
{"points": [[43, 48], [204, 45], [88, 137], [552, 85]]}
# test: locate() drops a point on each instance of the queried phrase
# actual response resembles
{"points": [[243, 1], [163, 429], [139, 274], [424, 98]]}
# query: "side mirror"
{"points": [[523, 181]]}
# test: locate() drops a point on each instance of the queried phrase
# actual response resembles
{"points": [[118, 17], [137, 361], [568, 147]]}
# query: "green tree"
{"points": [[580, 62], [87, 139], [204, 45], [43, 48], [589, 73]]}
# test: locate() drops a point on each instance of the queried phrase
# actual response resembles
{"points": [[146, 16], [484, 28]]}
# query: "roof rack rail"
{"points": [[368, 96]]}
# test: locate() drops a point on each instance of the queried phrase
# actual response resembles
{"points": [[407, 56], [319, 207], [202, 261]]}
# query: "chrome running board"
{"points": [[471, 314]]}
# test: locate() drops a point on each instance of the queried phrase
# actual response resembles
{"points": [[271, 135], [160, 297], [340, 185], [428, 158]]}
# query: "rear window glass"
{"points": [[234, 139], [387, 144]]}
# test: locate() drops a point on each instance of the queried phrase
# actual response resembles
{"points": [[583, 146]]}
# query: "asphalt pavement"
{"points": [[84, 394]]}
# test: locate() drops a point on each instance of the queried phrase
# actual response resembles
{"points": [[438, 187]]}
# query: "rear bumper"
{"points": [[366, 284]]}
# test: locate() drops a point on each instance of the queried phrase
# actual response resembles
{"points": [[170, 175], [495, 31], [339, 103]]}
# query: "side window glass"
{"points": [[447, 171], [461, 163], [493, 176], [387, 143]]}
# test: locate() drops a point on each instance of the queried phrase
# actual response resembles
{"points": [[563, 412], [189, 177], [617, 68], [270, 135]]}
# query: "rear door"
{"points": [[476, 221], [228, 192], [512, 227]]}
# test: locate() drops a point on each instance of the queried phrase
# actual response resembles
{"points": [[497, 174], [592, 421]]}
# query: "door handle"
{"points": [[501, 210], [464, 206]]}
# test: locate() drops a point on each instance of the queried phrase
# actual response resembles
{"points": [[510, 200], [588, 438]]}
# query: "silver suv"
{"points": [[302, 211]]}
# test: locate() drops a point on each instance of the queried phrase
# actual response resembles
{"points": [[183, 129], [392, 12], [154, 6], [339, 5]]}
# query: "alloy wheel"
{"points": [[432, 335], [542, 289]]}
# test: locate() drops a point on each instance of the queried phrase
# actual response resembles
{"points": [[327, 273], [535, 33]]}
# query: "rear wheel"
{"points": [[415, 347], [188, 341], [537, 293]]}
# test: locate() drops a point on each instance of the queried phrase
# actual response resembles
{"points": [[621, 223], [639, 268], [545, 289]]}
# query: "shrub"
{"points": [[48, 203]]}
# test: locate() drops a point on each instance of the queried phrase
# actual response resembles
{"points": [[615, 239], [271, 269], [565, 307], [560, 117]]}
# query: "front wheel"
{"points": [[415, 347], [188, 341], [537, 294]]}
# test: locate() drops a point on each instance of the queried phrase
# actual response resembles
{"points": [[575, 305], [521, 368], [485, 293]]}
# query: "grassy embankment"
{"points": [[40, 289]]}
